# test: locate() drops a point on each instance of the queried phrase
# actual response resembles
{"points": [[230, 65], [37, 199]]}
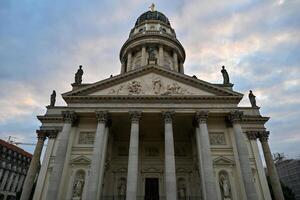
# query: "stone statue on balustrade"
{"points": [[78, 75], [225, 76], [53, 98], [252, 99]]}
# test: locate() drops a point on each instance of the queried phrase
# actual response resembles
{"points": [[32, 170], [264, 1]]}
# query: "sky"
{"points": [[43, 42]]}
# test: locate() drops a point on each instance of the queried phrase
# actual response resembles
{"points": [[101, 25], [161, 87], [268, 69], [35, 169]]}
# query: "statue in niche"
{"points": [[181, 189], [78, 75], [78, 186], [151, 52], [225, 76], [252, 99], [122, 189], [225, 186], [53, 98]]}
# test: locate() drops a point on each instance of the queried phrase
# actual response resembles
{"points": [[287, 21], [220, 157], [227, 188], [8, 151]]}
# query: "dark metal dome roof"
{"points": [[152, 15]]}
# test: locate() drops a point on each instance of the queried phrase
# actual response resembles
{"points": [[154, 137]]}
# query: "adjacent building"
{"points": [[152, 132], [289, 173], [14, 163]]}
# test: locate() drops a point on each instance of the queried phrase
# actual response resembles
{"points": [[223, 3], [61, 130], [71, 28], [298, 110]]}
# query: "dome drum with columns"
{"points": [[152, 132], [152, 31]]}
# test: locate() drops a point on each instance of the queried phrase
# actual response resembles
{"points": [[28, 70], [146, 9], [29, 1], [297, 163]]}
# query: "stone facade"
{"points": [[152, 131], [14, 165]]}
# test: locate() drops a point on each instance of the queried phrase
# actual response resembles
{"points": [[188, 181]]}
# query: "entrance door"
{"points": [[151, 189]]}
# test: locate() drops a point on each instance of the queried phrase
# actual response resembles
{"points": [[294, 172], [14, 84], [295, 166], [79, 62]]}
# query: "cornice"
{"points": [[152, 99], [50, 118], [248, 119]]}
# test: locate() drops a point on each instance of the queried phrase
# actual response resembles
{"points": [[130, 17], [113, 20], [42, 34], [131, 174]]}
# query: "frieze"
{"points": [[217, 139], [86, 138]]}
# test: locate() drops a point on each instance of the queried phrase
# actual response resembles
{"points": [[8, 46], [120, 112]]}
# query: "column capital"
{"points": [[168, 116], [201, 116], [264, 136], [41, 134], [69, 116], [235, 116], [102, 116], [252, 135], [135, 116]]}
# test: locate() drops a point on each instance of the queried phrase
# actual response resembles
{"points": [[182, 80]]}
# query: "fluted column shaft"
{"points": [[129, 55], [133, 157], [20, 184], [3, 183], [144, 61], [170, 169], [15, 183], [204, 156], [34, 166], [175, 61], [123, 66], [274, 179], [161, 56], [10, 180], [235, 118], [59, 160], [95, 170]]}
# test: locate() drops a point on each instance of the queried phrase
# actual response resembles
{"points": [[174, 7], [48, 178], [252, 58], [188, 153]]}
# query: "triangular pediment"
{"points": [[152, 81], [221, 160], [81, 160]]}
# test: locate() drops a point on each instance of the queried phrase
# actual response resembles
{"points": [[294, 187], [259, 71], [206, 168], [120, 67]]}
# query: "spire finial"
{"points": [[152, 7]]}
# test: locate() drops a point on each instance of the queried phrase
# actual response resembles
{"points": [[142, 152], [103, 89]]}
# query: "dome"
{"points": [[152, 15]]}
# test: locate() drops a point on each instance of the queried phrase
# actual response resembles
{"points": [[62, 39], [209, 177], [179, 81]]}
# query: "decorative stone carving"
{"points": [[53, 98], [252, 99], [135, 116], [201, 116], [252, 135], [78, 75], [152, 152], [102, 116], [225, 186], [155, 86], [235, 116], [217, 139], [225, 76], [78, 185], [134, 87], [264, 136], [86, 138], [168, 115], [69, 116]]}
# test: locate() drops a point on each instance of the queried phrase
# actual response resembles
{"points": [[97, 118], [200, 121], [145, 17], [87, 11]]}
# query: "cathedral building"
{"points": [[152, 132]]}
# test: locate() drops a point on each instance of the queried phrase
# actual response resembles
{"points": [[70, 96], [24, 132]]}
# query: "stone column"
{"points": [[204, 156], [161, 56], [235, 117], [175, 61], [10, 180], [123, 66], [3, 183], [94, 175], [181, 68], [20, 184], [55, 177], [129, 55], [274, 179], [144, 60], [15, 183], [34, 165], [133, 157], [170, 168]]}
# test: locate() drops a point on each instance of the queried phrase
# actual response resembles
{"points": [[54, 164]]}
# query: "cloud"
{"points": [[42, 44]]}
